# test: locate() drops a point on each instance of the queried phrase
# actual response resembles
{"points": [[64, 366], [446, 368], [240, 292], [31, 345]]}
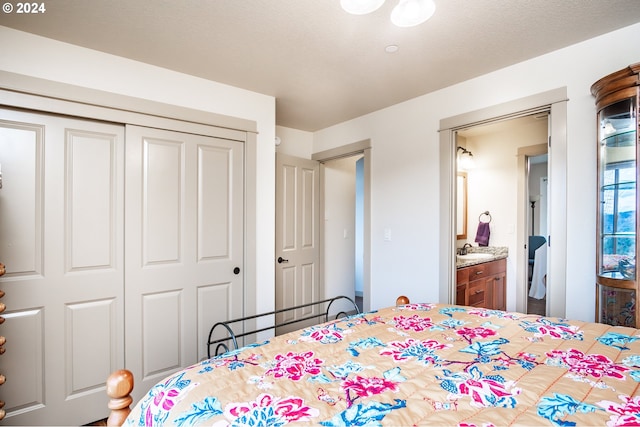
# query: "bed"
{"points": [[413, 364]]}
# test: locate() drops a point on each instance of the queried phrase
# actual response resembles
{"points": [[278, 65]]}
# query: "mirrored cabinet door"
{"points": [[617, 223], [617, 191]]}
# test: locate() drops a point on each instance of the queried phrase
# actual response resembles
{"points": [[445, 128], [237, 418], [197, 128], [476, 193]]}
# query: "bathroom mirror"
{"points": [[461, 206]]}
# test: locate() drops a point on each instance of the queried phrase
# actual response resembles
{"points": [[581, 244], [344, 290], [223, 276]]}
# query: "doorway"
{"points": [[554, 102], [492, 185], [537, 186], [360, 153], [342, 236], [333, 232]]}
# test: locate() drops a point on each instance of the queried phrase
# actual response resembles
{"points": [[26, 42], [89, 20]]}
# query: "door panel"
{"points": [[184, 237], [61, 224], [214, 210], [297, 237], [22, 160], [162, 200], [158, 358], [91, 326]]}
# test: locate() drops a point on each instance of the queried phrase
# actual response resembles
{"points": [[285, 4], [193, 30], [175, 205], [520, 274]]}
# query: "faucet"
{"points": [[463, 250]]}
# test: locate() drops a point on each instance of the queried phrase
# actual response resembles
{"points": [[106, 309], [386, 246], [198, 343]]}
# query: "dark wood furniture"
{"points": [[617, 103], [483, 285]]}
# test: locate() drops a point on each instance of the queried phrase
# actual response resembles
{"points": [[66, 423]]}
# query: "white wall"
{"points": [[294, 142], [35, 56], [405, 169]]}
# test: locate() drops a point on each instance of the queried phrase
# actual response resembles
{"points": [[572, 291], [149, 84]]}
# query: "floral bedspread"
{"points": [[417, 364]]}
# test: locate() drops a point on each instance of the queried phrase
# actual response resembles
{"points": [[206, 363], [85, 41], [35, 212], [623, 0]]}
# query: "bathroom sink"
{"points": [[474, 256]]}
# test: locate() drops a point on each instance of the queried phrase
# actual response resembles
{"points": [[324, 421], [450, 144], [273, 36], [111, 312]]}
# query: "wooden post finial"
{"points": [[402, 300], [119, 388]]}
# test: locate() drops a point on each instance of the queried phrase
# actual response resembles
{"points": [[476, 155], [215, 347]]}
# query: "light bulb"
{"points": [[466, 162], [360, 7], [409, 13]]}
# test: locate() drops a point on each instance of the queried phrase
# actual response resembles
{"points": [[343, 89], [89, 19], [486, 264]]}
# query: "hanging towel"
{"points": [[482, 235], [539, 275]]}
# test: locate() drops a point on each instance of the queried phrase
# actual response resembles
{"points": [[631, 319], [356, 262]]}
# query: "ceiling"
{"points": [[321, 64]]}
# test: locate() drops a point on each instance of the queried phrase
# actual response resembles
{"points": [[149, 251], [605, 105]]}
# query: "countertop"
{"points": [[494, 252]]}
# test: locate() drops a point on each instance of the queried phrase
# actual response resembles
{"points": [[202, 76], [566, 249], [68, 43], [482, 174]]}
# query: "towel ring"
{"points": [[484, 213]]}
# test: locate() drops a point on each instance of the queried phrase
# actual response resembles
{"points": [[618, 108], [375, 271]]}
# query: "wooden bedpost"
{"points": [[119, 388], [402, 300]]}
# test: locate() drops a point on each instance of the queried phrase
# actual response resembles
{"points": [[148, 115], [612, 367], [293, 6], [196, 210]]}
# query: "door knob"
{"points": [[236, 270], [281, 260]]}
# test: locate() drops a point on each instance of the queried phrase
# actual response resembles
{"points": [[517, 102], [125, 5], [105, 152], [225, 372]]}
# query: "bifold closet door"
{"points": [[61, 228], [184, 244]]}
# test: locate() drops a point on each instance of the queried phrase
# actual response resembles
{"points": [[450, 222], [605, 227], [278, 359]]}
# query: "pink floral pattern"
{"points": [[414, 323], [417, 307], [479, 312], [283, 410], [163, 397], [415, 364], [557, 330], [626, 413], [364, 387], [594, 365], [294, 366], [471, 334], [164, 401], [483, 391], [325, 334]]}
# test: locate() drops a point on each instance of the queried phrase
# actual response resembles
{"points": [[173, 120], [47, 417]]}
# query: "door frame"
{"points": [[364, 148], [555, 101]]}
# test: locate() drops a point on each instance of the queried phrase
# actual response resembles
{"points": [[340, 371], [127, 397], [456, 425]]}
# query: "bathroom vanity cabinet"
{"points": [[617, 222], [483, 285]]}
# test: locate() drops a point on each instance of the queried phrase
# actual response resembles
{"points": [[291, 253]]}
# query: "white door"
{"points": [[297, 237], [61, 227], [184, 245]]}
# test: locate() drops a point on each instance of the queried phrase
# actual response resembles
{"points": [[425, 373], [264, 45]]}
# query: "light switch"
{"points": [[387, 234]]}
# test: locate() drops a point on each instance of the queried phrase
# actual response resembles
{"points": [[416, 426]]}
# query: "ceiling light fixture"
{"points": [[361, 7], [392, 48], [407, 13]]}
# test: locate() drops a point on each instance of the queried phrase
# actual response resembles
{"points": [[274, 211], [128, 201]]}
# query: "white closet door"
{"points": [[61, 227], [184, 246]]}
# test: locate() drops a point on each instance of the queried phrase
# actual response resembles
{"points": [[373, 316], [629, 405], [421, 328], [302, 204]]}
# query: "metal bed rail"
{"points": [[222, 343]]}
